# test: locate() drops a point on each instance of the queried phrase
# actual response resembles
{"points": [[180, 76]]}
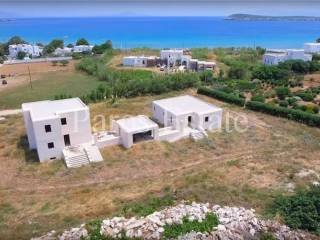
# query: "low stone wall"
{"points": [[234, 223], [36, 60]]}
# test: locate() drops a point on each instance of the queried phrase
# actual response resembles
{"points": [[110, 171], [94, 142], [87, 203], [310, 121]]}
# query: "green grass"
{"points": [[187, 226], [149, 205], [50, 84]]}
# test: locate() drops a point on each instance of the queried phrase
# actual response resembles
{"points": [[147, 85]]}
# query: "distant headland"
{"points": [[250, 17]]}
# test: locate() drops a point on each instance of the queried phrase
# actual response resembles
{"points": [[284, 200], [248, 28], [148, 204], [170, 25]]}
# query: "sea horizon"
{"points": [[163, 32]]}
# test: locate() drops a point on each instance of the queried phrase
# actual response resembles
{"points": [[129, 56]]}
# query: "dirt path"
{"points": [[4, 113]]}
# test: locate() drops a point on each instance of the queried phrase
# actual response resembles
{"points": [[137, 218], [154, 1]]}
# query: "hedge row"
{"points": [[296, 115], [230, 98], [292, 114]]}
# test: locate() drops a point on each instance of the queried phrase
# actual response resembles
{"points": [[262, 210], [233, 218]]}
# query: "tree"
{"points": [[21, 55], [318, 40], [238, 71], [206, 76], [53, 45], [70, 45], [82, 41], [99, 49], [16, 40]]}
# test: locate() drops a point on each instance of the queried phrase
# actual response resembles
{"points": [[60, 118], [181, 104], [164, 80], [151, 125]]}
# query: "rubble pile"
{"points": [[235, 223]]}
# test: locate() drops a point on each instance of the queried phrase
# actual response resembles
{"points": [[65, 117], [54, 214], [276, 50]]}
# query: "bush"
{"points": [[230, 98], [258, 98], [64, 62], [301, 210], [271, 74], [282, 92], [283, 103], [297, 115], [305, 96], [88, 65], [175, 230]]}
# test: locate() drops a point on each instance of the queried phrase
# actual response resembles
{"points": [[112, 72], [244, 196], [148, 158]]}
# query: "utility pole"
{"points": [[30, 81]]}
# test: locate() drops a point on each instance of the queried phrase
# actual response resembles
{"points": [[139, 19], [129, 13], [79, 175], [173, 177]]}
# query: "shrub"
{"points": [[258, 98], [230, 98], [291, 100], [175, 230], [297, 115], [301, 210], [305, 96], [282, 92], [283, 103], [271, 74], [64, 62], [88, 65]]}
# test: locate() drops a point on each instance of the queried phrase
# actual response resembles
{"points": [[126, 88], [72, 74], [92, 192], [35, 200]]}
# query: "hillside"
{"points": [[250, 17]]}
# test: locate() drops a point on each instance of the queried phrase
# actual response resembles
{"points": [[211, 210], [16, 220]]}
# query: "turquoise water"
{"points": [[160, 32]]}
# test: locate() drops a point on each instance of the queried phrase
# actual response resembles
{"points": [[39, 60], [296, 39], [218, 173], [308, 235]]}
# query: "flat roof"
{"points": [[49, 109], [136, 124], [186, 104]]}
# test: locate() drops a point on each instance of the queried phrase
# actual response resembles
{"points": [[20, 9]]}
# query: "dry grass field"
{"points": [[19, 73], [246, 168]]}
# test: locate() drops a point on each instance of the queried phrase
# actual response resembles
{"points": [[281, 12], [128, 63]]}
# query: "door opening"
{"points": [[189, 120], [66, 140]]}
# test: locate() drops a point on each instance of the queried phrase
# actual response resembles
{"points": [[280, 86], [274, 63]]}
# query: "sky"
{"points": [[94, 8]]}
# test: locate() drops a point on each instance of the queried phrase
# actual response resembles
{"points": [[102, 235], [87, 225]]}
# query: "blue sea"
{"points": [[163, 32]]}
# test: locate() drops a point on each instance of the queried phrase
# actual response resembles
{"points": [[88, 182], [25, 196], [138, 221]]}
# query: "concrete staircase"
{"points": [[93, 153], [198, 134], [75, 156]]}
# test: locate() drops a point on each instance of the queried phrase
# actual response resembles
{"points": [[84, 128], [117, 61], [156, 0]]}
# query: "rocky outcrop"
{"points": [[235, 223]]}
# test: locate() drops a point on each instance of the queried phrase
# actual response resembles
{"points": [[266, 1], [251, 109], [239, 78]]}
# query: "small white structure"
{"points": [[33, 50], [312, 48], [275, 56], [187, 111], [135, 129], [60, 129], [137, 61], [82, 48], [62, 51]]}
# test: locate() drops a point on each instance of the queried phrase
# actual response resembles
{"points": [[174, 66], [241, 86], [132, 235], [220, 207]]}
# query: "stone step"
{"points": [[77, 161]]}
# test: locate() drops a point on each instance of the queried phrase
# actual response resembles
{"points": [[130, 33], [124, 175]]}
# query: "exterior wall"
{"points": [[158, 113], [312, 47], [43, 138], [274, 59], [82, 48], [215, 121], [34, 50], [29, 127], [78, 126]]}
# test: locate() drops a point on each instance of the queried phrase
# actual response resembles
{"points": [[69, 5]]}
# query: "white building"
{"points": [[82, 48], [60, 129], [135, 129], [312, 48], [171, 55], [187, 112], [181, 117], [33, 50], [63, 51], [138, 61], [275, 56]]}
